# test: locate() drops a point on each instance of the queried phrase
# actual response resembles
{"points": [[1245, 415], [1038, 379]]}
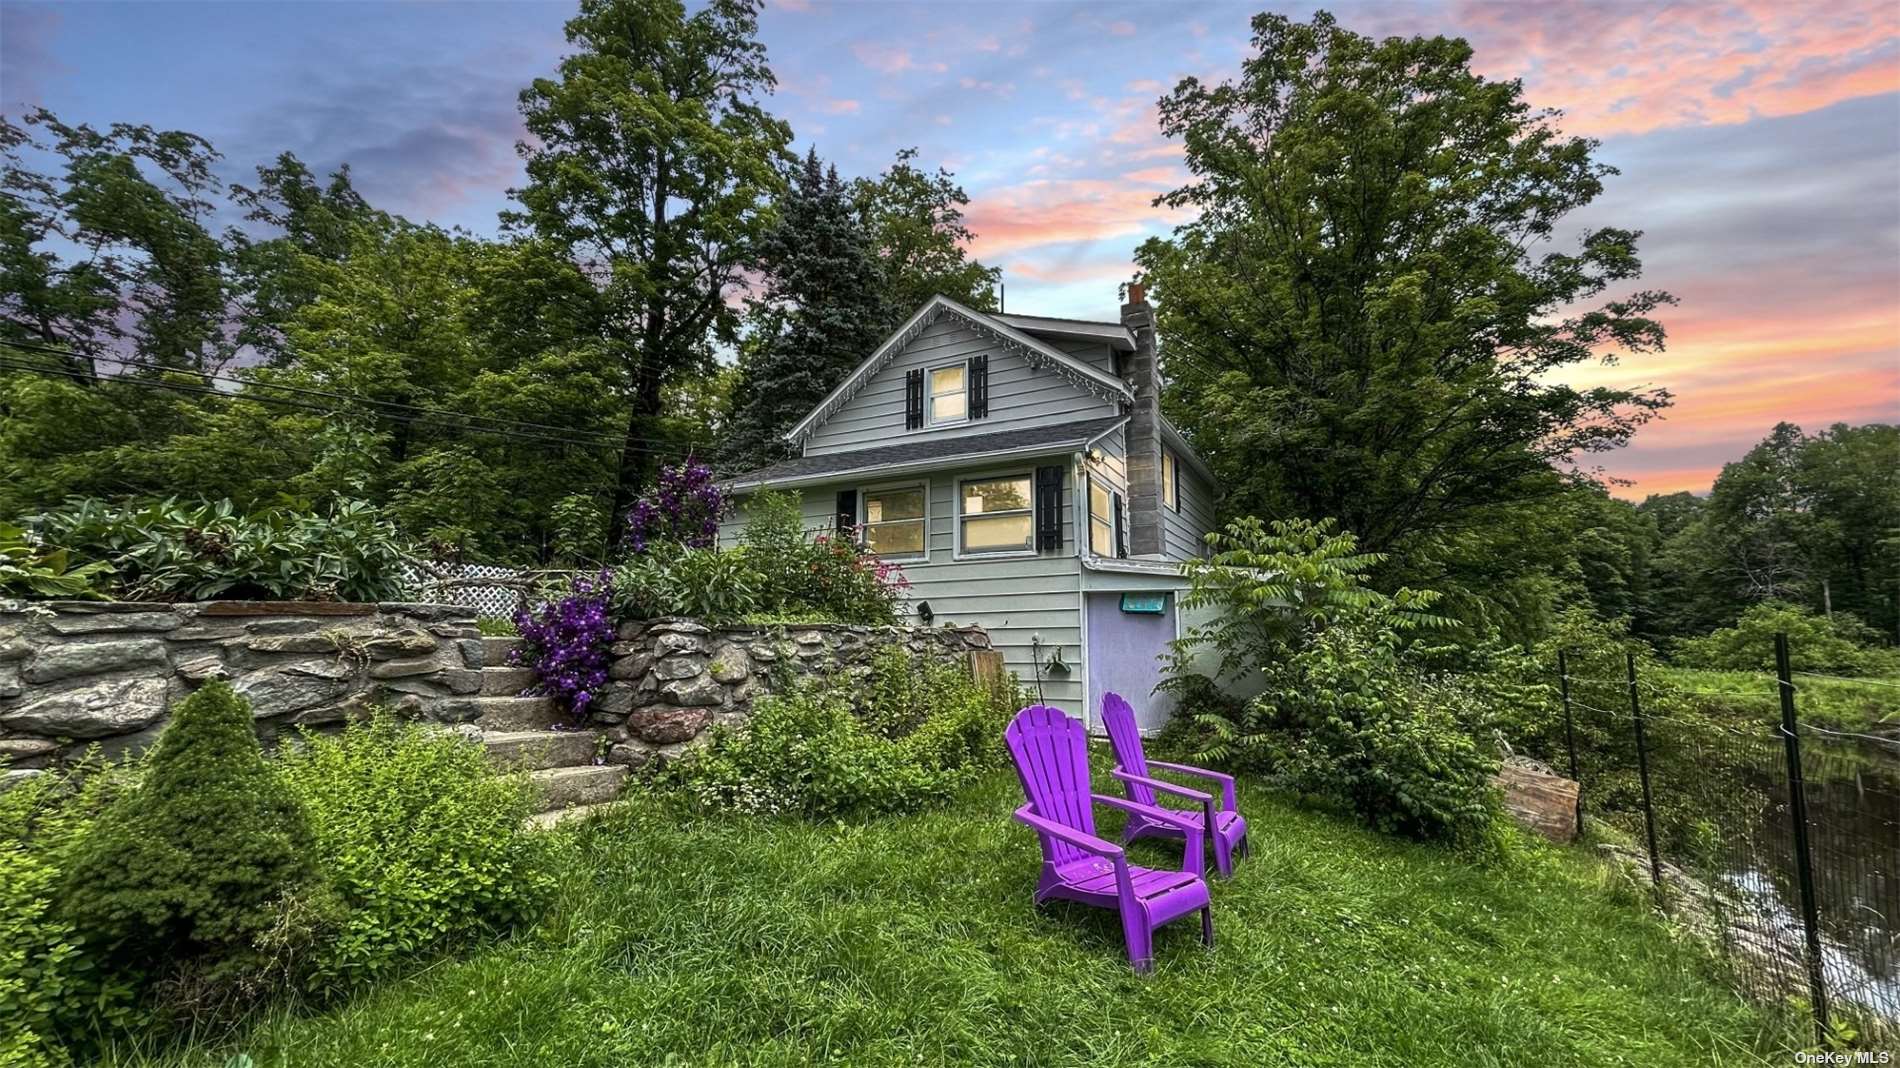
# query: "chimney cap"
{"points": [[1137, 292]]}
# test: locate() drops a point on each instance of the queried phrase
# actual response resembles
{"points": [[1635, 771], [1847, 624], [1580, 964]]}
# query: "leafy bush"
{"points": [[420, 843], [190, 866], [170, 551], [776, 574], [567, 641], [925, 729], [1841, 645], [50, 985], [683, 510], [27, 569], [1353, 709]]}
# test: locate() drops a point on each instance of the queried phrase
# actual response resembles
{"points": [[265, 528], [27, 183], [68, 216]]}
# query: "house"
{"points": [[1020, 471]]}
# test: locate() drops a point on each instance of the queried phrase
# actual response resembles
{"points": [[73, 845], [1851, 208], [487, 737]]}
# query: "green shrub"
{"points": [[672, 580], [29, 569], [50, 985], [1841, 645], [189, 868], [169, 551], [925, 729], [421, 845]]}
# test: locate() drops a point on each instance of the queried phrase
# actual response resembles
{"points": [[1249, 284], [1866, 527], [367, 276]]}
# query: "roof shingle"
{"points": [[1055, 436]]}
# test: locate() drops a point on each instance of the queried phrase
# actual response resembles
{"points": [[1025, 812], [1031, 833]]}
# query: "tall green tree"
{"points": [[915, 221], [651, 160], [1367, 318], [823, 307]]}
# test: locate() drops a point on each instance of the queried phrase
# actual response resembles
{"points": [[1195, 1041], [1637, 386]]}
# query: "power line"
{"points": [[567, 434], [285, 402]]}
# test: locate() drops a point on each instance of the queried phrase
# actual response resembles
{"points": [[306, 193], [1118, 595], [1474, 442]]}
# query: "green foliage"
{"points": [[28, 570], [420, 842], [172, 551], [918, 234], [670, 580], [183, 876], [908, 735], [1364, 319], [576, 523], [1840, 645], [52, 988]]}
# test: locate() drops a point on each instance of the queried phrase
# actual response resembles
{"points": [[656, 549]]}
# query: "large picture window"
{"points": [[996, 515], [1101, 520], [949, 400], [894, 522]]}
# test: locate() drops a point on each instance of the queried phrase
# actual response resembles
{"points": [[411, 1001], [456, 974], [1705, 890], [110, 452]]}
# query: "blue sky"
{"points": [[1759, 143]]}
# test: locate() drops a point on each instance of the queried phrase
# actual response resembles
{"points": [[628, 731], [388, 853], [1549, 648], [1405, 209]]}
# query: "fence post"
{"points": [[1642, 767], [1570, 736], [1803, 860]]}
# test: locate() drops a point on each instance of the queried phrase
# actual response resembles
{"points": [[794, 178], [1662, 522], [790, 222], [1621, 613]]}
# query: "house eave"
{"points": [[934, 463]]}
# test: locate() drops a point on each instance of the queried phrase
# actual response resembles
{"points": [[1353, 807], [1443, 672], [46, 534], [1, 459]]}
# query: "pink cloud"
{"points": [[1145, 85], [1122, 28], [1041, 211], [887, 59], [841, 107]]}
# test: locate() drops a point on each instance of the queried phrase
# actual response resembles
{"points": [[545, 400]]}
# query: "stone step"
{"points": [[538, 750], [569, 787], [542, 821], [506, 681], [516, 713], [495, 650]]}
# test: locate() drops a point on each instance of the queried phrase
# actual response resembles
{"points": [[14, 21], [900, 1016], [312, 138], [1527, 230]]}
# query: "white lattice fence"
{"points": [[494, 592]]}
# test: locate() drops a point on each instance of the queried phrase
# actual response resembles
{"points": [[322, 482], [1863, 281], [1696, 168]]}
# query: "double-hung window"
{"points": [[1102, 519], [1170, 481], [949, 399], [996, 515], [894, 521]]}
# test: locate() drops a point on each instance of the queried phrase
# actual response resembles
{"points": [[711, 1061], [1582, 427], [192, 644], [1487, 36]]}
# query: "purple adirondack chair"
{"points": [[1051, 754], [1224, 825]]}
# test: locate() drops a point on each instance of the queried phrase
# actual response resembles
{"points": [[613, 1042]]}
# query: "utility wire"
{"points": [[370, 408], [347, 397]]}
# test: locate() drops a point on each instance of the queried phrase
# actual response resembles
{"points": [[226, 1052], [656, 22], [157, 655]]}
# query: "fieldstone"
{"points": [[629, 667], [631, 631], [402, 643], [213, 630], [731, 664], [472, 652], [114, 706], [428, 613], [327, 642], [14, 750], [700, 692], [290, 625], [671, 644], [455, 631], [109, 622], [355, 706], [809, 637], [663, 725], [63, 661], [282, 691], [402, 669], [200, 668], [16, 777], [681, 667], [619, 649], [630, 755], [617, 701], [679, 626], [743, 693], [764, 652], [461, 680], [13, 645]]}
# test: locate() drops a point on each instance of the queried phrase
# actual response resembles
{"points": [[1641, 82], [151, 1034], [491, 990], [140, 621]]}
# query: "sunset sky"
{"points": [[1759, 144]]}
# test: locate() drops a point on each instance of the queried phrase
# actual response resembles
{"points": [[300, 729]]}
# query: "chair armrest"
{"points": [[1191, 860], [1099, 846], [1162, 785], [1226, 781]]}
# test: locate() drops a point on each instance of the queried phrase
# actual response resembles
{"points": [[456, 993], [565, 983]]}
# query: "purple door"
{"points": [[1126, 653]]}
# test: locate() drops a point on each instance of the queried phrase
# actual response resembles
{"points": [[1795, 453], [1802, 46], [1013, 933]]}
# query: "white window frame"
{"points": [[1170, 481], [864, 507], [956, 510], [1107, 520], [930, 397]]}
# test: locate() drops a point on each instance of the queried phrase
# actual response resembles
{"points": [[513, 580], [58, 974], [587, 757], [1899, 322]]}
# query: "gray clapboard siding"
{"points": [[1181, 532], [1020, 395], [1111, 471], [1094, 353]]}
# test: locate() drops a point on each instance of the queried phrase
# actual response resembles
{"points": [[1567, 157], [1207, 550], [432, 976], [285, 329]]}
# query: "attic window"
{"points": [[949, 400]]}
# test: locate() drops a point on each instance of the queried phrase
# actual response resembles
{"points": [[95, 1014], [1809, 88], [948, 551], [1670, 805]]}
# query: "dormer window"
{"points": [[949, 400]]}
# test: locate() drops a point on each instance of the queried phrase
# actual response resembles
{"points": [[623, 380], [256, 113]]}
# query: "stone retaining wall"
{"points": [[78, 673], [673, 678]]}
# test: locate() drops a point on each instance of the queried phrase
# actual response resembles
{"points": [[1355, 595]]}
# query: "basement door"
{"points": [[1126, 653]]}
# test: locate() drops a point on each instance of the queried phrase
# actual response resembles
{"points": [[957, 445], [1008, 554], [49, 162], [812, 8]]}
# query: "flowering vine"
{"points": [[684, 508], [566, 642]]}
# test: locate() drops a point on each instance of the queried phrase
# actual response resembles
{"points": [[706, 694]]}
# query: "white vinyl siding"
{"points": [[1020, 396]]}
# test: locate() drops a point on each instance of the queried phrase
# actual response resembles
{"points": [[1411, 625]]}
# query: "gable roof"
{"points": [[1039, 354], [1114, 335], [931, 452]]}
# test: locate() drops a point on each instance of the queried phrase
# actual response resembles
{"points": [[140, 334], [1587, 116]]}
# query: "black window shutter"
{"points": [[847, 513], [1121, 543], [979, 387], [914, 399], [1048, 508]]}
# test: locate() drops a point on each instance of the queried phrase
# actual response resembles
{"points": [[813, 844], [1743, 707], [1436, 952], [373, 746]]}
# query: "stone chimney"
{"points": [[1144, 427]]}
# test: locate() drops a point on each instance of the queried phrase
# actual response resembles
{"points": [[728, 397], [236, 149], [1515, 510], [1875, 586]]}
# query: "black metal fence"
{"points": [[1775, 839]]}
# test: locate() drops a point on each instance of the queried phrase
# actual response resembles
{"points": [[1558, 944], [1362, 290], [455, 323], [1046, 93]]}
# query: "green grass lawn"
{"points": [[912, 941]]}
